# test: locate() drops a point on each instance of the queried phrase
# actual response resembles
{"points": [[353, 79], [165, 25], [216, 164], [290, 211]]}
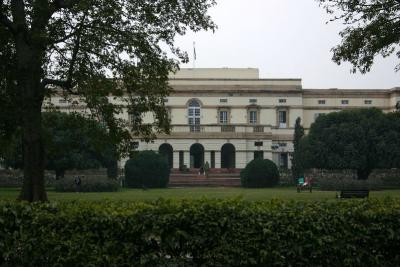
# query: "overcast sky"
{"points": [[284, 39]]}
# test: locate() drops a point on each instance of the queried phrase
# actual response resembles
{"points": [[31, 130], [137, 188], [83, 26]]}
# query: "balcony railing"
{"points": [[258, 129], [238, 128], [227, 128]]}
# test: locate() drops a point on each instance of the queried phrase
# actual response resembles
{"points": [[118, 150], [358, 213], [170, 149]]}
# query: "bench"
{"points": [[354, 193], [303, 184]]}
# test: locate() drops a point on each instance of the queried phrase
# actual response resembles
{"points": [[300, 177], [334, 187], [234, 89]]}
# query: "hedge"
{"points": [[147, 169], [201, 233], [260, 173], [88, 184]]}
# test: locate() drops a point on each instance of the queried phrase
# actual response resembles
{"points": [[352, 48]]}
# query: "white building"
{"points": [[230, 116]]}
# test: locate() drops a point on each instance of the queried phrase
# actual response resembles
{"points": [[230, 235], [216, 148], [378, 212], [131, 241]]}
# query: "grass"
{"points": [[195, 193]]}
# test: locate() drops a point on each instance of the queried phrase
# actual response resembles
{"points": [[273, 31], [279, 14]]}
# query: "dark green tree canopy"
{"points": [[358, 139], [297, 164], [372, 28], [92, 49], [72, 141]]}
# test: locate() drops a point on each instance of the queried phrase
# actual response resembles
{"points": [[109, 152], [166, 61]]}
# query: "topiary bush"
{"points": [[147, 169], [88, 184], [260, 173]]}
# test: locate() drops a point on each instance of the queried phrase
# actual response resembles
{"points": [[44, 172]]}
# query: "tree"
{"points": [[297, 165], [91, 49], [358, 139], [372, 28], [72, 141]]}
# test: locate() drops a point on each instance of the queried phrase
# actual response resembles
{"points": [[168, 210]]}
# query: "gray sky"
{"points": [[284, 39]]}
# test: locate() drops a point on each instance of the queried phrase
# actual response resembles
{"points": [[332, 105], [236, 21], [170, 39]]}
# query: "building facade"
{"points": [[228, 117]]}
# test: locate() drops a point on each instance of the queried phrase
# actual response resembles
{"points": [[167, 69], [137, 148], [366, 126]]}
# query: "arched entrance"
{"points": [[228, 156], [196, 156], [167, 151]]}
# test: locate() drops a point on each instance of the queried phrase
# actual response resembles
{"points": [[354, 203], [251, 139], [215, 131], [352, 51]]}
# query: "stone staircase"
{"points": [[214, 179]]}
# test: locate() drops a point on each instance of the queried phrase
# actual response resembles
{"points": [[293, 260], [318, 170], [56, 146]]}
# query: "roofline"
{"points": [[217, 79]]}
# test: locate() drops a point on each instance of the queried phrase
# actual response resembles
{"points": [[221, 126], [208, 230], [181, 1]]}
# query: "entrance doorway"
{"points": [[167, 151], [196, 156], [228, 156]]}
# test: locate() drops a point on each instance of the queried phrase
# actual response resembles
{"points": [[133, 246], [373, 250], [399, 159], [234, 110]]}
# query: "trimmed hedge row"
{"points": [[201, 233], [88, 184]]}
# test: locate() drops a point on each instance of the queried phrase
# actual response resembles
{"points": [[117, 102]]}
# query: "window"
{"points": [[321, 102], [258, 143], [282, 100], [194, 113], [345, 102], [165, 100], [223, 116], [282, 118], [135, 145], [253, 116], [283, 160], [253, 100], [223, 100], [62, 101], [367, 102]]}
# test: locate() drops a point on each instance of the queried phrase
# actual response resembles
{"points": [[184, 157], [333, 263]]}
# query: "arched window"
{"points": [[194, 113]]}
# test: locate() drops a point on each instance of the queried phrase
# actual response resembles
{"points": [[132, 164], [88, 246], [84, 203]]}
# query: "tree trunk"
{"points": [[31, 92], [33, 188], [363, 174]]}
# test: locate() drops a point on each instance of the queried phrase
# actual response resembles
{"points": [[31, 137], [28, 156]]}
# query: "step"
{"points": [[203, 181]]}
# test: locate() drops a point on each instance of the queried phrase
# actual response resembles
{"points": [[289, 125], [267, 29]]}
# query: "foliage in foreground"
{"points": [[260, 173], [88, 184], [201, 233], [147, 169]]}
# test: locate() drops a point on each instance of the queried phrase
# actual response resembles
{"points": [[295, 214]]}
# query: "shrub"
{"points": [[147, 169], [201, 233], [89, 184], [260, 173]]}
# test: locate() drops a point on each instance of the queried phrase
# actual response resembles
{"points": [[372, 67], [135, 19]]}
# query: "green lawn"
{"points": [[193, 193]]}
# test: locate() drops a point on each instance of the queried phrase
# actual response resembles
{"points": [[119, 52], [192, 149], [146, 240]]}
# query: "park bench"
{"points": [[303, 184], [354, 193]]}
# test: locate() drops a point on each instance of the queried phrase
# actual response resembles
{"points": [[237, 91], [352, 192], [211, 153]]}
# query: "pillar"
{"points": [[176, 160], [186, 158], [217, 159], [207, 157]]}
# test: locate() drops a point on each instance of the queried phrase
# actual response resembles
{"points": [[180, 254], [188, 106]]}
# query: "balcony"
{"points": [[228, 128], [221, 131]]}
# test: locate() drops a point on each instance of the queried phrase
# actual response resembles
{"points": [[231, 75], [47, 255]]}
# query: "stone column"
{"points": [[186, 158], [207, 157], [217, 159], [176, 160]]}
